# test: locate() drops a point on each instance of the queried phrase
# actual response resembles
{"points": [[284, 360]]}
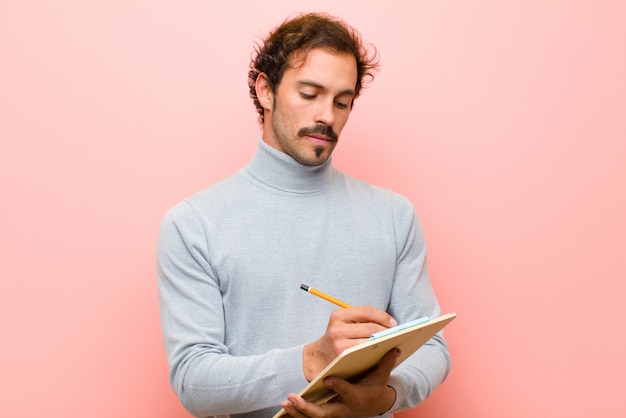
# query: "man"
{"points": [[241, 337]]}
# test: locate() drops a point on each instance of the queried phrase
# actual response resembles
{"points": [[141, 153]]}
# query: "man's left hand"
{"points": [[369, 396]]}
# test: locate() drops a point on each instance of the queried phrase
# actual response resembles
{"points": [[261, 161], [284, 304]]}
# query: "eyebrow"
{"points": [[316, 85]]}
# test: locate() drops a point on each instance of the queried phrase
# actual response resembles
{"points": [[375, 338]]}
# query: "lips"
{"points": [[318, 140], [320, 137]]}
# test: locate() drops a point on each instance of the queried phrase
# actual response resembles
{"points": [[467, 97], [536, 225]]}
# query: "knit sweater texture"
{"points": [[230, 262]]}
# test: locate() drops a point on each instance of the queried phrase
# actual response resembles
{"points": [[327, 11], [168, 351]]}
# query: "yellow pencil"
{"points": [[324, 296]]}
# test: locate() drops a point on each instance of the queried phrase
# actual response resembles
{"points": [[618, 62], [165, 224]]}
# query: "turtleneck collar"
{"points": [[280, 171]]}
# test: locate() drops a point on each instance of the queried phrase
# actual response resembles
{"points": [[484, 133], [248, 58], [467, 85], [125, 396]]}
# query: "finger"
{"points": [[341, 387], [355, 332], [383, 370], [365, 314], [290, 407], [389, 361], [303, 409], [379, 375]]}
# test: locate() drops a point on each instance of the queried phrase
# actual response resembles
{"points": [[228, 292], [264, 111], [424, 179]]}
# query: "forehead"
{"points": [[328, 69]]}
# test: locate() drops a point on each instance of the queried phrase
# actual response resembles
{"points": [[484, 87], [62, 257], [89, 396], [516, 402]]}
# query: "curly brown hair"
{"points": [[300, 35]]}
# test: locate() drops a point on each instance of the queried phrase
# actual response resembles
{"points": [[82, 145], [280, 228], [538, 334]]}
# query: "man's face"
{"points": [[313, 100]]}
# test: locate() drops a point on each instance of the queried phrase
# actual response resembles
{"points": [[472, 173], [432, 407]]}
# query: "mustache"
{"points": [[320, 129]]}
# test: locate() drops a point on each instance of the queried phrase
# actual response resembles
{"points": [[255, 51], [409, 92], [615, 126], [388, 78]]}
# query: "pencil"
{"points": [[324, 296]]}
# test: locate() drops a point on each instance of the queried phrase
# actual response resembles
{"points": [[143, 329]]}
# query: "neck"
{"points": [[280, 171]]}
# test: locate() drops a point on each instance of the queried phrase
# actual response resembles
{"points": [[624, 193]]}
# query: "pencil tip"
{"points": [[304, 287]]}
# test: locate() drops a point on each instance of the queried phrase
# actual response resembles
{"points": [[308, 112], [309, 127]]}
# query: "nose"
{"points": [[325, 112]]}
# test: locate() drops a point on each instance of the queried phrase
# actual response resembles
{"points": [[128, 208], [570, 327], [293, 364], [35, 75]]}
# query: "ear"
{"points": [[264, 92]]}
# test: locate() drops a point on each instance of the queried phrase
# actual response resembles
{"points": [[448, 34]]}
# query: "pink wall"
{"points": [[504, 122]]}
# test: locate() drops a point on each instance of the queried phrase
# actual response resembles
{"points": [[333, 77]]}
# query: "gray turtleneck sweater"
{"points": [[230, 263]]}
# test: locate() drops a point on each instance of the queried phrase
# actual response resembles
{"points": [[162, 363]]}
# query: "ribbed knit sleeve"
{"points": [[205, 377], [418, 376]]}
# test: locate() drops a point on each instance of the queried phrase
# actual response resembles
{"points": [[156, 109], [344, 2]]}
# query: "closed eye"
{"points": [[307, 96]]}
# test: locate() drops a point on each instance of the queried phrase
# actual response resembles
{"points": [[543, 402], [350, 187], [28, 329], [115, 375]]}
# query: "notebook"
{"points": [[353, 363]]}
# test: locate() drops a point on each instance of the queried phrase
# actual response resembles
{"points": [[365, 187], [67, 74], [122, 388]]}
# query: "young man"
{"points": [[240, 335]]}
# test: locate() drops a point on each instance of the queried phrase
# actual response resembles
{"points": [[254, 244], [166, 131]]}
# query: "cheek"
{"points": [[340, 122], [294, 113]]}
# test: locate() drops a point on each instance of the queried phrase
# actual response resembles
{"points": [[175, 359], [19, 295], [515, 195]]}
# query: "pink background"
{"points": [[504, 123]]}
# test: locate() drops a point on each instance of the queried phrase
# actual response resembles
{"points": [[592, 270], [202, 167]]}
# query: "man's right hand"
{"points": [[346, 328]]}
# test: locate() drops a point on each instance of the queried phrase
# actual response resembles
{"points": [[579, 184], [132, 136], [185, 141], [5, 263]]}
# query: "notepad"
{"points": [[354, 363]]}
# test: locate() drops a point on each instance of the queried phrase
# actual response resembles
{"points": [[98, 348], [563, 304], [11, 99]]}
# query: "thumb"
{"points": [[389, 360]]}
